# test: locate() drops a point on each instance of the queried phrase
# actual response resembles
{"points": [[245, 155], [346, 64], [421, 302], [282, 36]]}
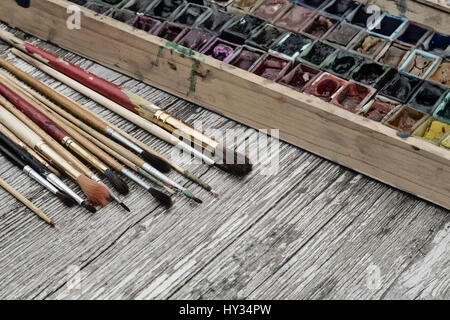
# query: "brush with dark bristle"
{"points": [[231, 161], [88, 206], [163, 198], [156, 162], [66, 199], [118, 183]]}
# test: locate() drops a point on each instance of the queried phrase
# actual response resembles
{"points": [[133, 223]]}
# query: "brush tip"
{"points": [[163, 198], [215, 194], [233, 162], [66, 199], [95, 192], [123, 205], [54, 225], [156, 162], [118, 183], [197, 200], [89, 207]]}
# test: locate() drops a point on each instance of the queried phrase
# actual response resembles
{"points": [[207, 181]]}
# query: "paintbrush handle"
{"points": [[69, 104], [8, 154]]}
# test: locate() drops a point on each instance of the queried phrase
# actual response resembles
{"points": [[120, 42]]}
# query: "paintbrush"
{"points": [[100, 124], [57, 133], [18, 150], [27, 149], [27, 203], [224, 158], [15, 160], [95, 192]]}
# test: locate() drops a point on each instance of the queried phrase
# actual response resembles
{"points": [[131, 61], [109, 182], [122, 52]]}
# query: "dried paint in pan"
{"points": [[272, 67], [291, 45], [79, 2], [170, 31], [342, 63], [340, 8], [378, 109], [432, 130], [413, 34], [352, 96], [271, 9], [343, 34], [265, 38], [164, 9], [368, 45], [388, 26], [97, 7], [427, 97], [112, 3], [122, 15], [196, 39], [138, 5], [313, 4], [372, 74], [317, 53], [419, 64], [191, 14], [294, 18], [300, 77], [400, 88], [360, 17], [245, 5], [325, 86], [406, 119], [438, 44], [442, 112], [442, 74], [221, 50], [145, 23], [242, 29], [246, 58], [216, 21], [394, 55], [319, 26]]}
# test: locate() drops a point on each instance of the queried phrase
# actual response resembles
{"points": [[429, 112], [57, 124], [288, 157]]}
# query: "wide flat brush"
{"points": [[27, 203], [27, 159], [95, 192], [9, 154], [57, 133]]}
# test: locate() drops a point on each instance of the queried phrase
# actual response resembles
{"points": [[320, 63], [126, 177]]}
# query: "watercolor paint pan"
{"points": [[318, 27], [196, 39], [432, 130], [317, 53], [394, 54], [138, 6], [122, 15], [312, 4], [113, 3], [220, 3], [339, 9], [291, 46], [221, 49], [343, 34], [367, 45], [373, 74], [79, 2], [145, 23], [427, 97], [295, 18], [266, 37], [388, 26], [441, 74], [359, 16], [406, 119], [438, 44], [413, 34], [246, 57], [300, 77], [98, 7], [325, 86], [342, 63], [191, 14], [170, 31], [419, 64], [272, 67], [352, 96], [216, 21], [270, 10], [165, 9], [401, 87], [242, 7], [442, 111], [243, 29], [379, 109]]}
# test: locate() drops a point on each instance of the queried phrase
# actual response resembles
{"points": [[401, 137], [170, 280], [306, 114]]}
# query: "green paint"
{"points": [[193, 80], [160, 52], [184, 51], [401, 6]]}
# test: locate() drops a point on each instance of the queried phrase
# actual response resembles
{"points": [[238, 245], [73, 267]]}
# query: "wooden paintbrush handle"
{"points": [[55, 96]]}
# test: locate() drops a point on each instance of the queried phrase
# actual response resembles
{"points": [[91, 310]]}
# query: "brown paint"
{"points": [[442, 74]]}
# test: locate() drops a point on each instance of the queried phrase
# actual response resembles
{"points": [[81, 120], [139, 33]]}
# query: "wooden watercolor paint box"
{"points": [[406, 162]]}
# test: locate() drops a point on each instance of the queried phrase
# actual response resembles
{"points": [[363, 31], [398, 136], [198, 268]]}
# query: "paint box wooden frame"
{"points": [[405, 162]]}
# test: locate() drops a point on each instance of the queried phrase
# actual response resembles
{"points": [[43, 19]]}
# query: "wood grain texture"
{"points": [[317, 230]]}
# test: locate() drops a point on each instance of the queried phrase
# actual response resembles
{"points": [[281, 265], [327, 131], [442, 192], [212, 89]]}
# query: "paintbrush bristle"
{"points": [[89, 207], [118, 183], [231, 161], [66, 199], [163, 198], [156, 162], [95, 192]]}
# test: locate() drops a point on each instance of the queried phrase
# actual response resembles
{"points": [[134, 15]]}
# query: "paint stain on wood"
{"points": [[193, 78]]}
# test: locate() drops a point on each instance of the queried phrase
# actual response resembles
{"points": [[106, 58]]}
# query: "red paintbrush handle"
{"points": [[90, 80], [34, 114]]}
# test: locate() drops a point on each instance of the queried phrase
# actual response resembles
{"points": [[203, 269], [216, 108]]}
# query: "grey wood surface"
{"points": [[314, 231]]}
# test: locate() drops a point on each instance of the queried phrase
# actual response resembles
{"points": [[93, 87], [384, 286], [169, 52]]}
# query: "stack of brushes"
{"points": [[47, 135]]}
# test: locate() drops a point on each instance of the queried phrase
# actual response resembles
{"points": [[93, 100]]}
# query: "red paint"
{"points": [[34, 114], [90, 80]]}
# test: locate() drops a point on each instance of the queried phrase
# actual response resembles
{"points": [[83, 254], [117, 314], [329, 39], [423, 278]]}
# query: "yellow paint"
{"points": [[446, 142], [436, 130]]}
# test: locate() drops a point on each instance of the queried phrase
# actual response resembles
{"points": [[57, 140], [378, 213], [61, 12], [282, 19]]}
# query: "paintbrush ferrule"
{"points": [[156, 181], [37, 177], [134, 177], [52, 178], [83, 153], [197, 153], [124, 141]]}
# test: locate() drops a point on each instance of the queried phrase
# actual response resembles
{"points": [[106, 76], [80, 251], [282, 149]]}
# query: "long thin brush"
{"points": [[7, 153], [26, 158], [95, 192], [27, 203], [138, 105], [102, 125], [55, 131]]}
